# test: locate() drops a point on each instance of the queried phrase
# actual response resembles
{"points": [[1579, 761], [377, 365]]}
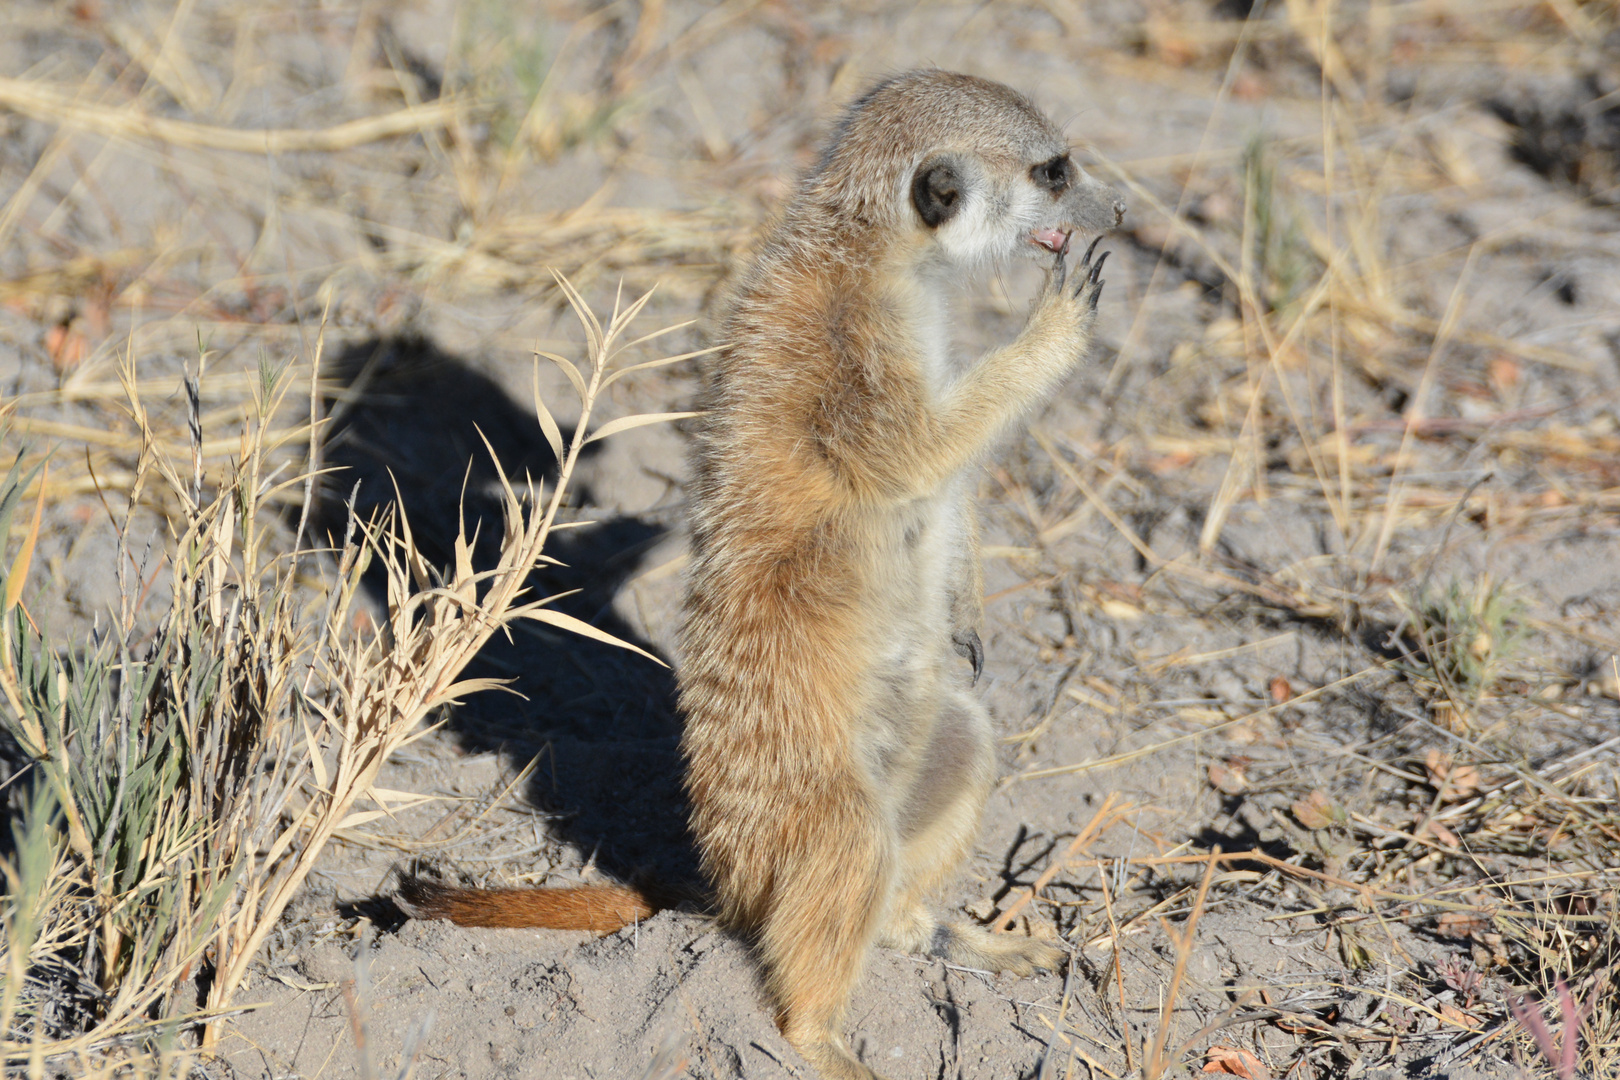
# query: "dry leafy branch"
{"points": [[185, 783]]}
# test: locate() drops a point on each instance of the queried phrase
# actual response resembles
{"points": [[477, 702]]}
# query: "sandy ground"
{"points": [[1138, 679]]}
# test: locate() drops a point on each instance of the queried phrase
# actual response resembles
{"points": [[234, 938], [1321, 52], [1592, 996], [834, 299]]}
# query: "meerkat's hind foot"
{"points": [[975, 947], [910, 928], [833, 1061]]}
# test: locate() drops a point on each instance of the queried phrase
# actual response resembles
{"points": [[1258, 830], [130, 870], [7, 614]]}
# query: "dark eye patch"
{"points": [[1054, 175]]}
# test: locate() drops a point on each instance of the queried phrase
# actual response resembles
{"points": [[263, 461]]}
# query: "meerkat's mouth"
{"points": [[1050, 239]]}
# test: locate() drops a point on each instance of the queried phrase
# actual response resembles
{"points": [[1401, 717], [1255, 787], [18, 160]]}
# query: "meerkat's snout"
{"points": [[1081, 203], [1096, 206]]}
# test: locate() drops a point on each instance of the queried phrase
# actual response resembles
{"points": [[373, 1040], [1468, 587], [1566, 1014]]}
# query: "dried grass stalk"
{"points": [[55, 106], [186, 779]]}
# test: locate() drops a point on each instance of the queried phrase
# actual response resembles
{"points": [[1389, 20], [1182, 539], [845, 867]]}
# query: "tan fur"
{"points": [[599, 908], [837, 767]]}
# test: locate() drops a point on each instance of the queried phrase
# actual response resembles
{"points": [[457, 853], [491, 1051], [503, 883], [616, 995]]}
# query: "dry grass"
{"points": [[187, 777]]}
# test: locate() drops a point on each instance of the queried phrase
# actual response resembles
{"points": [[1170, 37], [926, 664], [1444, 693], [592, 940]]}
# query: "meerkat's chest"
{"points": [[929, 326]]}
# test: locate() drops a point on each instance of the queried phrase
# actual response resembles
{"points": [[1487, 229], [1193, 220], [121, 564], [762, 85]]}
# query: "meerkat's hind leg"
{"points": [[938, 823], [910, 927], [939, 816], [915, 929], [834, 881]]}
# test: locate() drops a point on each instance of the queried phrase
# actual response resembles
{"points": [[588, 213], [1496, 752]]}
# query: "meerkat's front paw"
{"points": [[967, 645], [975, 947], [1076, 300], [1090, 286]]}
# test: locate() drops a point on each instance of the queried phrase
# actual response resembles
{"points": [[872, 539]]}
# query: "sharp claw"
{"points": [[972, 648], [1087, 260], [1097, 294], [1060, 269], [1096, 270], [1093, 277]]}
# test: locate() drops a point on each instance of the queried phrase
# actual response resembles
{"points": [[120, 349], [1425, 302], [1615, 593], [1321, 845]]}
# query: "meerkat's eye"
{"points": [[1053, 175]]}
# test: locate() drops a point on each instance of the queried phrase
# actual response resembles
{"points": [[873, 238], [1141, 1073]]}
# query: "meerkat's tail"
{"points": [[600, 908]]}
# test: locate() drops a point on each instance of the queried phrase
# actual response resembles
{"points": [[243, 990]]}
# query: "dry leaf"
{"points": [[1503, 372], [1250, 732], [1246, 87], [1317, 811], [1119, 609], [1440, 833], [626, 423], [1437, 763], [1170, 462], [18, 575], [1452, 781], [1168, 43], [1464, 780], [1453, 1015], [1228, 776], [66, 347], [1220, 208], [1461, 924], [1234, 1061]]}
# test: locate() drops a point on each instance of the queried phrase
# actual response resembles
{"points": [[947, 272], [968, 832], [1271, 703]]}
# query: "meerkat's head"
{"points": [[968, 169]]}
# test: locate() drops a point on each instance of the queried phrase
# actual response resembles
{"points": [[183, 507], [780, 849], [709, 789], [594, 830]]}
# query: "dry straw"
{"points": [[59, 106], [186, 783]]}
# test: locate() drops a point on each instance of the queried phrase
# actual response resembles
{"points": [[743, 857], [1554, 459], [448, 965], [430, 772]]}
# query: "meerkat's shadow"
{"points": [[600, 720]]}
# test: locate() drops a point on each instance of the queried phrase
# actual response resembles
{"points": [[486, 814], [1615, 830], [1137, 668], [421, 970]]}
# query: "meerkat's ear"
{"points": [[936, 191]]}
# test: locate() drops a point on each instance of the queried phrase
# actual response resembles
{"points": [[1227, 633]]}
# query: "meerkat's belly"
{"points": [[908, 605]]}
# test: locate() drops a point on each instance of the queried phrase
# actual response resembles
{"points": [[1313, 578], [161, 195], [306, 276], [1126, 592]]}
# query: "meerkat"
{"points": [[837, 766]]}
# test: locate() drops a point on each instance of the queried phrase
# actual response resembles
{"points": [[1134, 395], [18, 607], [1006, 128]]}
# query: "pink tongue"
{"points": [[1050, 239]]}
